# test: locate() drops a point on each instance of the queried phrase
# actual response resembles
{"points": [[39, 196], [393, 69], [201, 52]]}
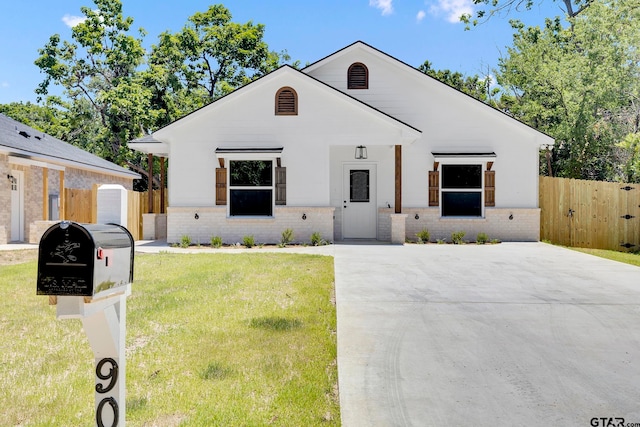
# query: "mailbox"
{"points": [[90, 260]]}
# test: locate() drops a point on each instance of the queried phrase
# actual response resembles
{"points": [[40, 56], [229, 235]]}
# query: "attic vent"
{"points": [[358, 76], [286, 102], [25, 134]]}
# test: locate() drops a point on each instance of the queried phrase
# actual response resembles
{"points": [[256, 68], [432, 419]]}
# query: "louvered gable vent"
{"points": [[358, 76], [286, 102]]}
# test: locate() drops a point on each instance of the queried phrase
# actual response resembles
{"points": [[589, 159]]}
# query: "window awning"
{"points": [[250, 150], [457, 155], [249, 153]]}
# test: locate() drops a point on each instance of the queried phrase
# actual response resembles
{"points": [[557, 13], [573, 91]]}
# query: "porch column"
{"points": [[162, 178], [398, 202], [150, 182], [62, 200], [45, 194]]}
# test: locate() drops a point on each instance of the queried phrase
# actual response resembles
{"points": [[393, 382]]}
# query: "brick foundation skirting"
{"points": [[213, 221], [521, 224], [507, 225]]}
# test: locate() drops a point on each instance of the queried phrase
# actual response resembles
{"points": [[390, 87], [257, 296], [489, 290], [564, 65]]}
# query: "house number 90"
{"points": [[112, 376]]}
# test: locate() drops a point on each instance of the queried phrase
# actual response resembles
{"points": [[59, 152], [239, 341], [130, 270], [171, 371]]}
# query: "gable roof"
{"points": [[20, 140], [150, 142], [408, 68]]}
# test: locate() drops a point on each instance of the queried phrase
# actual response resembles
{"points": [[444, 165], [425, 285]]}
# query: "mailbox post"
{"points": [[87, 270]]}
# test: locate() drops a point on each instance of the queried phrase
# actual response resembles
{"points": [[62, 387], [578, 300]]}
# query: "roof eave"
{"points": [[66, 163]]}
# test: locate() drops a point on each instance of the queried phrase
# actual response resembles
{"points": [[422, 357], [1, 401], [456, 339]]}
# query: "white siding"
{"points": [[449, 120], [325, 120]]}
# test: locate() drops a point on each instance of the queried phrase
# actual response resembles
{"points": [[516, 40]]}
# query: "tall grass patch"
{"points": [[212, 339]]}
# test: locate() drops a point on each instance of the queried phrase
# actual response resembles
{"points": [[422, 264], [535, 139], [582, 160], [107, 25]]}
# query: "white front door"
{"points": [[17, 206], [359, 208]]}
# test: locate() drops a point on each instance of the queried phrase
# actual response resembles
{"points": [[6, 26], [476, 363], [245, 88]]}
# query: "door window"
{"points": [[359, 186]]}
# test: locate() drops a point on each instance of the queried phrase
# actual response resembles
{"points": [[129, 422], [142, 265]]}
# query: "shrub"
{"points": [[185, 241], [317, 240], [423, 236], [287, 237], [457, 236], [216, 241], [248, 241], [441, 241], [482, 238], [495, 241]]}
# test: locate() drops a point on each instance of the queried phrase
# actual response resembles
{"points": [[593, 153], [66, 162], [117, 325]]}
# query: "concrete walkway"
{"points": [[500, 335]]}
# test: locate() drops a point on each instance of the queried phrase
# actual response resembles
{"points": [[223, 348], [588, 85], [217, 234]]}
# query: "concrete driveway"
{"points": [[511, 334]]}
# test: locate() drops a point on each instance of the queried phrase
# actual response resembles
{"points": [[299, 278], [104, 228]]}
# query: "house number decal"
{"points": [[112, 376]]}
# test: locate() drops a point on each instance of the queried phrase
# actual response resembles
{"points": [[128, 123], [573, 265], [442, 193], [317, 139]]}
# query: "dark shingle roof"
{"points": [[24, 141]]}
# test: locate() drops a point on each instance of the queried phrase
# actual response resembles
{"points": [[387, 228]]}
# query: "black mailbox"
{"points": [[90, 260]]}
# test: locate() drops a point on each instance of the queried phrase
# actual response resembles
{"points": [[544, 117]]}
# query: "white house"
{"points": [[358, 145]]}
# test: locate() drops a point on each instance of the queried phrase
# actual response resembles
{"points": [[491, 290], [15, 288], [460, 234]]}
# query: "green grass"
{"points": [[626, 257], [212, 340]]}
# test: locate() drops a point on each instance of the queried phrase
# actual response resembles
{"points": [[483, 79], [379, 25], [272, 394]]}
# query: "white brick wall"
{"points": [[523, 227], [398, 228], [213, 221], [384, 224], [154, 226]]}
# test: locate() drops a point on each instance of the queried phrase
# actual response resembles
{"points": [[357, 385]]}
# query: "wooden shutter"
{"points": [[434, 188], [358, 76], [489, 188], [221, 186], [281, 186]]}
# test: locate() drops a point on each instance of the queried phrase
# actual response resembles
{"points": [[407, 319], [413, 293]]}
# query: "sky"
{"points": [[412, 31]]}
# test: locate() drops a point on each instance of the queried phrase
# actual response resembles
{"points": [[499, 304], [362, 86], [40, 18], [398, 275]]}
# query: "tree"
{"points": [[212, 55], [572, 8], [579, 84], [110, 97], [47, 119], [74, 124], [475, 86], [98, 72]]}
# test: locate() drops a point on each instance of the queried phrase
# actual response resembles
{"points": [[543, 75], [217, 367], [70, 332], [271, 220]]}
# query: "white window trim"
{"points": [[471, 161], [248, 157]]}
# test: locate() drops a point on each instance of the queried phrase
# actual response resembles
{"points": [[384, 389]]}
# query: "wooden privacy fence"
{"points": [[81, 206], [590, 214]]}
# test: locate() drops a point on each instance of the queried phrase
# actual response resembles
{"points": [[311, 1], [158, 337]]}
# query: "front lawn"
{"points": [[626, 257], [212, 340]]}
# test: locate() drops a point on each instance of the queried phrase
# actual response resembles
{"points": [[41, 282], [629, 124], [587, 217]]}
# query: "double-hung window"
{"points": [[462, 184], [251, 188], [462, 190]]}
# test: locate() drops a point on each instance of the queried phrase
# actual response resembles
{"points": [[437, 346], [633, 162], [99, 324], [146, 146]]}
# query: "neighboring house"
{"points": [[35, 168], [358, 145]]}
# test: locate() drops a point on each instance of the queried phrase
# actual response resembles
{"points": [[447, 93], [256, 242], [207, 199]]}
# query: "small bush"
{"points": [[441, 241], [216, 241], [317, 240], [423, 236], [457, 236], [495, 241], [482, 238], [248, 241], [185, 241], [286, 238]]}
